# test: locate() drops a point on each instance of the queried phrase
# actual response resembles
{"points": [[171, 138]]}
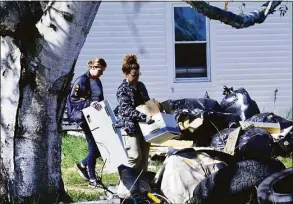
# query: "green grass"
{"points": [[287, 161], [74, 149]]}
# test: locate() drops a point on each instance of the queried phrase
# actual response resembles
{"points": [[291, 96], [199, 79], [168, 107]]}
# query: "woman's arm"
{"points": [[144, 91], [78, 94]]}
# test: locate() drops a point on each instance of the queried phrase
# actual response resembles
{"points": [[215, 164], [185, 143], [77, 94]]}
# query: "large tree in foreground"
{"points": [[40, 43]]}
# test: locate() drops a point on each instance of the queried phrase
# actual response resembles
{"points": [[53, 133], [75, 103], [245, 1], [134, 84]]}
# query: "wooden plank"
{"points": [[269, 127], [163, 147], [174, 143], [231, 141]]}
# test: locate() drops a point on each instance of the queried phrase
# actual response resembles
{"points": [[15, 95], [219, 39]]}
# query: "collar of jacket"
{"points": [[87, 74], [126, 83]]}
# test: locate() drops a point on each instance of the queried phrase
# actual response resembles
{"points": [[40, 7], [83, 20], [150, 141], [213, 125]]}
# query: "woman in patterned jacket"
{"points": [[132, 93]]}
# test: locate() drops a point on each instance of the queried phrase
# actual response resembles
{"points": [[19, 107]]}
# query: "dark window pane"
{"points": [[190, 60], [190, 25]]}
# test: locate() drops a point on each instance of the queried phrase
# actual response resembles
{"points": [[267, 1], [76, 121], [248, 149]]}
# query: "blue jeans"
{"points": [[93, 151]]}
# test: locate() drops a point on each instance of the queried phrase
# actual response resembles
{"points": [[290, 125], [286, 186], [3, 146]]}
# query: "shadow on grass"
{"points": [[74, 149]]}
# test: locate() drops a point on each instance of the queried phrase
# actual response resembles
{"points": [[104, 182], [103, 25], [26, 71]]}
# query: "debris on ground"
{"points": [[227, 147]]}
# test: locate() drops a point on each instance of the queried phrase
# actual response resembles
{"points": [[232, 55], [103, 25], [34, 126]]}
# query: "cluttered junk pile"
{"points": [[232, 157]]}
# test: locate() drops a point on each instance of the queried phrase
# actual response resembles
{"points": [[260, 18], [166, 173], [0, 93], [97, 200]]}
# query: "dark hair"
{"points": [[97, 62], [129, 63]]}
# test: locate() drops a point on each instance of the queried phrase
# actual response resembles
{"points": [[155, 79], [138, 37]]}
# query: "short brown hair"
{"points": [[129, 63], [97, 62]]}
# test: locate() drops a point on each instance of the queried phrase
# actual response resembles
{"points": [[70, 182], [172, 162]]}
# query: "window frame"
{"points": [[172, 53]]}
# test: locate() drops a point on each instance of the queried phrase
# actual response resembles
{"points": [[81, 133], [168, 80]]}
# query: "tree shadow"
{"points": [[137, 6]]}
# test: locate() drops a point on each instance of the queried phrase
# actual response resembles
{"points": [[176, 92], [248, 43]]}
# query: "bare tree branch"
{"points": [[232, 19]]}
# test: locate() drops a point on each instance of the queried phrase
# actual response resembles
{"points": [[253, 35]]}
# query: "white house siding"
{"points": [[258, 58]]}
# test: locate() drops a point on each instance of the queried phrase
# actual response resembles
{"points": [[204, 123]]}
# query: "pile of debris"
{"points": [[234, 149]]}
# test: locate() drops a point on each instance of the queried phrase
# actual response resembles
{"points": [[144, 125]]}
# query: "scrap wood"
{"points": [[282, 134], [190, 125], [163, 147], [269, 127], [174, 144], [231, 141]]}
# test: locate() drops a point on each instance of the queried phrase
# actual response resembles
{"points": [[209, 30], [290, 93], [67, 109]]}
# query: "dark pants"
{"points": [[93, 151]]}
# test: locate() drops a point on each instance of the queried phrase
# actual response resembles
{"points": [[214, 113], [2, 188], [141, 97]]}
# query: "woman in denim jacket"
{"points": [[87, 89], [132, 93]]}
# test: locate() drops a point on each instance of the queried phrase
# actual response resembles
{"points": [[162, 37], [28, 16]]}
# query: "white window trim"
{"points": [[170, 48]]}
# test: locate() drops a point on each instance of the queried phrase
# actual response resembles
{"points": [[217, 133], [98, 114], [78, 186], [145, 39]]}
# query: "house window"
{"points": [[191, 45]]}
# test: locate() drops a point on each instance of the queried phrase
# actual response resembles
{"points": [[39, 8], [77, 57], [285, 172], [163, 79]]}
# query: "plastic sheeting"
{"points": [[183, 171], [240, 103], [271, 118], [213, 122], [204, 104], [254, 142]]}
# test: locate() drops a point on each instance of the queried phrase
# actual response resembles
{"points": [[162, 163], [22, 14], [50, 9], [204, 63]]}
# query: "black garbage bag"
{"points": [[204, 104], [213, 122], [271, 118], [240, 103], [222, 120], [284, 146], [254, 142], [219, 140]]}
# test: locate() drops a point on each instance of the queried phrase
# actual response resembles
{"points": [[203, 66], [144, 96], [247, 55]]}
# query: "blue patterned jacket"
{"points": [[128, 116]]}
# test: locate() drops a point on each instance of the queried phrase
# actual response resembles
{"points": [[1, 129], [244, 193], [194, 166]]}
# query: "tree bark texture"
{"points": [[36, 71], [232, 19]]}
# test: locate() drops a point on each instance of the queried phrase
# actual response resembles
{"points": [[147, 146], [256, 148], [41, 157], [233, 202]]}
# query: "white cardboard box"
{"points": [[108, 138], [164, 128]]}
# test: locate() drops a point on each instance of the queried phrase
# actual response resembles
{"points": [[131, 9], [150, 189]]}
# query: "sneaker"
{"points": [[96, 183], [82, 171]]}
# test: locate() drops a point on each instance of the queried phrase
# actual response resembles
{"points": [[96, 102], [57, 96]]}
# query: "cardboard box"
{"points": [[100, 118], [151, 107], [164, 128]]}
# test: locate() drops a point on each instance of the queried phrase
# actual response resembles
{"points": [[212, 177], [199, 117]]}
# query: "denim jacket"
{"points": [[80, 96], [128, 116]]}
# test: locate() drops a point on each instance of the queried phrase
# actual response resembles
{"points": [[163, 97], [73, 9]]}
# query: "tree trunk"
{"points": [[36, 72]]}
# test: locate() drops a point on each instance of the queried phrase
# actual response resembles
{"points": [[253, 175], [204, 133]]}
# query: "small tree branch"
{"points": [[232, 19]]}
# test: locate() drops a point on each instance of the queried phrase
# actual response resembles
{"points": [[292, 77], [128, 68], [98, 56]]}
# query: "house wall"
{"points": [[258, 58]]}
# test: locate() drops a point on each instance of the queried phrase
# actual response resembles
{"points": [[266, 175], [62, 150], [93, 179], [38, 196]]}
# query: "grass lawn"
{"points": [[287, 161], [74, 149]]}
